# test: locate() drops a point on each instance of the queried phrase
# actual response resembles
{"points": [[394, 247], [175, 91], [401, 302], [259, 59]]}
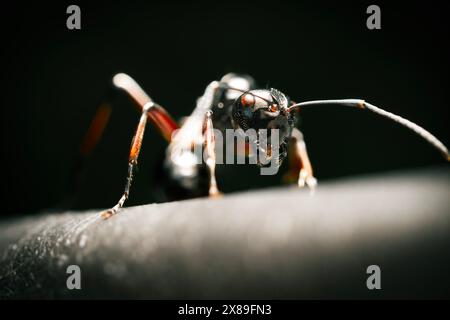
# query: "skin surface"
{"points": [[272, 243]]}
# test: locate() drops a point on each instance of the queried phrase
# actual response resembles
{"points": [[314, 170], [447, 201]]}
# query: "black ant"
{"points": [[234, 102]]}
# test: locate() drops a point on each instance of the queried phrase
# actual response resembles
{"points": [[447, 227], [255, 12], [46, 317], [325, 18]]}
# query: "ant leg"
{"points": [[96, 129], [159, 117], [157, 114], [90, 140], [299, 164], [198, 130], [132, 160], [210, 145], [150, 110]]}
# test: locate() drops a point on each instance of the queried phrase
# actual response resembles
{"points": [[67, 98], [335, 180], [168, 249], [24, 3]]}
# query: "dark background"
{"points": [[53, 79]]}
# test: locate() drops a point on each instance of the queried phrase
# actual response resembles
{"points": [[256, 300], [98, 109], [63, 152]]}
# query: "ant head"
{"points": [[264, 109]]}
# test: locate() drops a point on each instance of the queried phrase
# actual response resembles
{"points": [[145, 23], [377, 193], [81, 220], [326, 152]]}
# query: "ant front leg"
{"points": [[299, 165], [210, 145], [198, 130]]}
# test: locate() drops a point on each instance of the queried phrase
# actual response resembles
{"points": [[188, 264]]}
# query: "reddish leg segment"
{"points": [[159, 117]]}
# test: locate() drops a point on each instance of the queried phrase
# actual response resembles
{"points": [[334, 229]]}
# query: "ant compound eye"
{"points": [[252, 109], [248, 100], [243, 110]]}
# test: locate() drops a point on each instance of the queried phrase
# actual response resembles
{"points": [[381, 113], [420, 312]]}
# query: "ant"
{"points": [[234, 102]]}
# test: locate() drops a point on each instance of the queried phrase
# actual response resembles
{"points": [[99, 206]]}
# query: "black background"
{"points": [[53, 78]]}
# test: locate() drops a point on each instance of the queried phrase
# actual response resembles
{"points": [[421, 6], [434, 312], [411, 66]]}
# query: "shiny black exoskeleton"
{"points": [[237, 105]]}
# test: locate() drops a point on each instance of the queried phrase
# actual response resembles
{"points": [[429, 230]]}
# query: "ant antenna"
{"points": [[431, 139]]}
